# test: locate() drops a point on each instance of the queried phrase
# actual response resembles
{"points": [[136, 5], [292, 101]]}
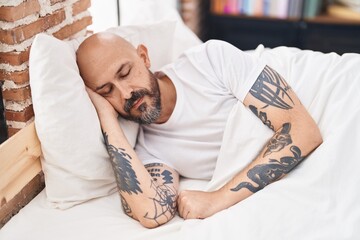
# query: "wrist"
{"points": [[227, 197], [220, 197], [106, 114]]}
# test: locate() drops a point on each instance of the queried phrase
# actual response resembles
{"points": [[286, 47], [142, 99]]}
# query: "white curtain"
{"points": [[151, 10]]}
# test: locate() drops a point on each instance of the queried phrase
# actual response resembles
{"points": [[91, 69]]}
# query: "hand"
{"points": [[102, 106], [198, 204]]}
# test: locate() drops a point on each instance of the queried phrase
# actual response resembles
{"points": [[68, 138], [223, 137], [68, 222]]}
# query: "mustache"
{"points": [[136, 95]]}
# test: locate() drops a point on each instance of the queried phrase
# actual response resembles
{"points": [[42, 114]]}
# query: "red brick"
{"points": [[71, 29], [10, 208], [20, 11], [80, 6], [23, 116], [19, 94], [52, 2], [18, 77], [21, 33], [15, 58], [12, 131]]}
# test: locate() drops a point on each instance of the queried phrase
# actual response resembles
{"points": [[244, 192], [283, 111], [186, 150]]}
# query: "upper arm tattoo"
{"points": [[165, 193], [271, 89], [124, 173], [263, 117], [164, 202], [154, 170]]}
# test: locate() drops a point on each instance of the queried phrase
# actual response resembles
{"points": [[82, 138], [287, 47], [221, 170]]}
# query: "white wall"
{"points": [[104, 12]]}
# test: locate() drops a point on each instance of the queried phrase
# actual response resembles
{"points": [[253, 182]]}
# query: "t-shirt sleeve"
{"points": [[236, 69]]}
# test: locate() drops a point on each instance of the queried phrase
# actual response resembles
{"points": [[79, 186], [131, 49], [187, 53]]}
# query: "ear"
{"points": [[143, 54]]}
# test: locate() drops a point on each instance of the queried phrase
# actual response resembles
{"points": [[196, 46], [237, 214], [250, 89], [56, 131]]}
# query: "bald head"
{"points": [[96, 53]]}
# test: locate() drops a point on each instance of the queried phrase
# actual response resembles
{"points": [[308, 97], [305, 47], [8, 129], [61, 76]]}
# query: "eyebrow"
{"points": [[102, 86]]}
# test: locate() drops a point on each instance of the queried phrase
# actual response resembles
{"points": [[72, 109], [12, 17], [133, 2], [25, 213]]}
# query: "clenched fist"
{"points": [[199, 204]]}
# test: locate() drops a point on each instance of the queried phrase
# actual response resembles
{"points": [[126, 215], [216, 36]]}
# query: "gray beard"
{"points": [[149, 113]]}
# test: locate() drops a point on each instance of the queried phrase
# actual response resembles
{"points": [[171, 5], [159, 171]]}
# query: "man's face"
{"points": [[144, 106], [120, 74]]}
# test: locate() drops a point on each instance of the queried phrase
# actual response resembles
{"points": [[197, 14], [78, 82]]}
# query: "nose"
{"points": [[125, 90]]}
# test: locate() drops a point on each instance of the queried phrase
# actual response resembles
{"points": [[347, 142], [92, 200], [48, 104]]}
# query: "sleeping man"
{"points": [[183, 109]]}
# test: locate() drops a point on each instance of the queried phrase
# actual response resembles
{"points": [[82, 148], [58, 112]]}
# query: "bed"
{"points": [[318, 200]]}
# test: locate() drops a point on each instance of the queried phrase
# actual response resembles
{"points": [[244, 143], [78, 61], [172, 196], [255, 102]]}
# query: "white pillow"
{"points": [[155, 11], [158, 38], [75, 162]]}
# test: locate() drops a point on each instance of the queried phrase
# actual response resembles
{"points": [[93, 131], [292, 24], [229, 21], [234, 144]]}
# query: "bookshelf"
{"points": [[320, 29]]}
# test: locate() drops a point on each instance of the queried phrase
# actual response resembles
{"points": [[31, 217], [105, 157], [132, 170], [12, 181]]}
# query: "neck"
{"points": [[167, 96]]}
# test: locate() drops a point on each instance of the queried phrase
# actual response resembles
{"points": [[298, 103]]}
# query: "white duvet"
{"points": [[320, 199]]}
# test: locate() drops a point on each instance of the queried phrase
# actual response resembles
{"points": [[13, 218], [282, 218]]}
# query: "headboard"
{"points": [[21, 177]]}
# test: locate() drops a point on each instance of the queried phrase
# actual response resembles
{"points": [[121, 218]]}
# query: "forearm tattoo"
{"points": [[125, 175], [281, 139], [271, 89], [164, 201], [264, 174], [126, 207]]}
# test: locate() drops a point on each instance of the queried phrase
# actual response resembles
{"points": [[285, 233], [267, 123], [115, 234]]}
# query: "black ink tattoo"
{"points": [[124, 173], [264, 174], [126, 207], [164, 202], [154, 172], [262, 116], [280, 140], [153, 165], [167, 177], [271, 89]]}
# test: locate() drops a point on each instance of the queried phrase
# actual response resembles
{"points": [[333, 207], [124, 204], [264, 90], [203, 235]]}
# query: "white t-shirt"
{"points": [[209, 80]]}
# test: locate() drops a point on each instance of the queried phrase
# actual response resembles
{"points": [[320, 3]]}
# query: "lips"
{"points": [[137, 103]]}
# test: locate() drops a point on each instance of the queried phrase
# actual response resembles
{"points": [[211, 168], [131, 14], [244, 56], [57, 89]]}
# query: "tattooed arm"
{"points": [[148, 193], [296, 135]]}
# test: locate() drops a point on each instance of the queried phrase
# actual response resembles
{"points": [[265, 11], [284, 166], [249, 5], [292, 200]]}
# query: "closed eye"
{"points": [[107, 91], [125, 74], [123, 71]]}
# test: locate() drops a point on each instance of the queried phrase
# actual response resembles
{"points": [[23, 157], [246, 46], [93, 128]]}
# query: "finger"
{"points": [[187, 215], [181, 210], [180, 205], [88, 90]]}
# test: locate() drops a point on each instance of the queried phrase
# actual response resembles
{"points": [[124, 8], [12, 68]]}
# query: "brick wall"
{"points": [[20, 21]]}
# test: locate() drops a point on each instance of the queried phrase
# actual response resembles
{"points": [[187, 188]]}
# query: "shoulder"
{"points": [[213, 52], [211, 46]]}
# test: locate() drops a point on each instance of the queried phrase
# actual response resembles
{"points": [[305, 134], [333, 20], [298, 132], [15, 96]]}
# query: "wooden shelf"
{"points": [[327, 19]]}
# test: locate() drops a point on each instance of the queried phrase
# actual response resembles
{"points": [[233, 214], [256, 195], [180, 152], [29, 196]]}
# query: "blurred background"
{"points": [[323, 25]]}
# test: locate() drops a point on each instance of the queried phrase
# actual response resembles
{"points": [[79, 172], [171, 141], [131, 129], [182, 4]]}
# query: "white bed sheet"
{"points": [[100, 218]]}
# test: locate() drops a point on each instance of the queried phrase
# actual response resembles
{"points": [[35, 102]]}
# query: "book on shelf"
{"points": [[344, 12], [268, 8], [295, 8], [312, 8]]}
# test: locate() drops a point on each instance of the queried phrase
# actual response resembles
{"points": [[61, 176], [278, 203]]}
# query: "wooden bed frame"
{"points": [[21, 177]]}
